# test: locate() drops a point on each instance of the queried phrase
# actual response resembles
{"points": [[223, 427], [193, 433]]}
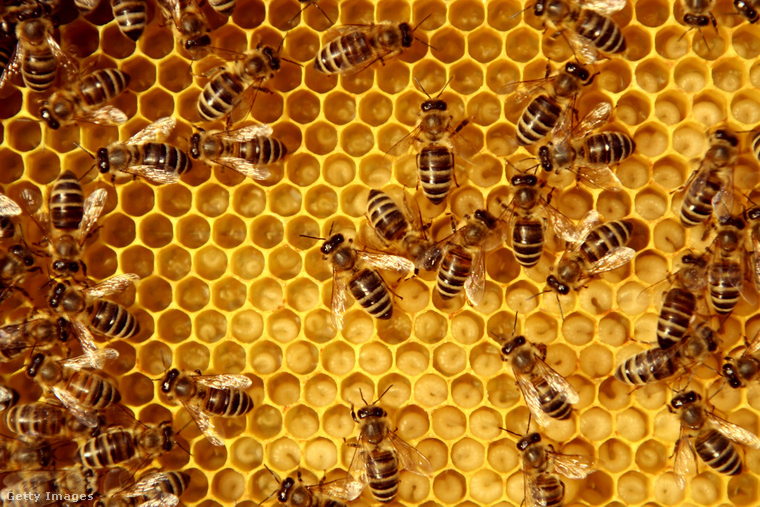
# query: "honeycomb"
{"points": [[230, 285]]}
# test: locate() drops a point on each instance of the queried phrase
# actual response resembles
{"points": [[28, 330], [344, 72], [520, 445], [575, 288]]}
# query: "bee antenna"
{"points": [[514, 326], [84, 150], [276, 477], [510, 431], [315, 4], [444, 86], [183, 427], [530, 416], [422, 87], [183, 447], [282, 42], [361, 395], [529, 6], [561, 314], [331, 228], [384, 392], [421, 21], [425, 43], [312, 237], [290, 61], [534, 296]]}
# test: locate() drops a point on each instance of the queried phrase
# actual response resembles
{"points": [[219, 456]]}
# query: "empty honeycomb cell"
{"points": [[359, 82], [266, 357], [745, 109], [136, 389], [484, 45], [303, 106], [193, 231], [669, 236], [43, 167], [118, 230], [126, 360], [154, 358], [652, 13], [283, 454], [522, 45], [639, 43], [174, 263], [430, 327], [652, 75], [106, 263], [285, 200], [12, 104], [375, 109], [613, 205], [228, 294], [651, 267], [632, 298], [595, 423], [467, 77], [267, 232], [210, 262], [155, 293], [578, 329], [192, 294], [174, 200], [228, 485], [212, 200], [485, 360], [156, 104], [174, 326], [248, 201], [174, 74], [392, 78], [63, 139], [24, 136], [746, 42], [449, 359]]}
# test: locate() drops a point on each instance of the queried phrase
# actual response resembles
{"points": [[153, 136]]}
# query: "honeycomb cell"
{"points": [[430, 327], [522, 45], [192, 231], [24, 136], [578, 329], [652, 13], [633, 108], [449, 359], [392, 78], [651, 140], [484, 45], [43, 167], [285, 200], [136, 389], [652, 75], [249, 201], [174, 326], [118, 230], [467, 77], [745, 109], [614, 455], [613, 205], [728, 74], [228, 294], [303, 106], [449, 487], [689, 140], [210, 262], [155, 293], [745, 42], [639, 43]]}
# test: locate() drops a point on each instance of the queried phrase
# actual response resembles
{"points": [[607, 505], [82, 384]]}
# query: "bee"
{"points": [[756, 144], [381, 454], [747, 9], [40, 333], [83, 100], [87, 311], [38, 56], [740, 372], [679, 304], [131, 16], [588, 155], [711, 187], [19, 455], [247, 150], [550, 107], [394, 228], [697, 13], [223, 7], [86, 6], [294, 494], [27, 488], [752, 218], [587, 29], [543, 487], [8, 397], [225, 90], [32, 421], [155, 488], [145, 155], [365, 283], [190, 25], [599, 248], [8, 210], [659, 364], [208, 395], [120, 445], [82, 392], [16, 263], [728, 267], [547, 393], [709, 435], [437, 139]]}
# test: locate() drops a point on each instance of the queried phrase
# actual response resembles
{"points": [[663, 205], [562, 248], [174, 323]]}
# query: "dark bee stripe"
{"points": [[725, 278], [228, 402], [601, 30], [369, 290], [166, 157], [112, 320], [455, 268], [5, 56], [528, 241], [697, 204], [108, 449], [678, 308], [36, 420], [92, 390], [220, 96], [344, 53], [66, 202], [604, 238], [549, 490], [553, 403], [607, 148], [649, 366], [258, 150], [131, 15], [386, 218], [718, 452], [223, 7], [538, 119], [382, 474], [102, 86], [436, 166], [38, 68], [756, 145]]}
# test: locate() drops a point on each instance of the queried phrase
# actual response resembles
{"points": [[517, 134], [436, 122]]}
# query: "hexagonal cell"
{"points": [[432, 77], [522, 45], [689, 140], [23, 135], [375, 109], [266, 294], [467, 77], [42, 167], [210, 262], [267, 232], [193, 231], [12, 104], [212, 200], [228, 294], [284, 263], [174, 74], [303, 106], [118, 230], [137, 259], [174, 263], [614, 76], [729, 74], [671, 107], [652, 13], [651, 139], [357, 140], [192, 294], [639, 43], [652, 75], [484, 45], [156, 104], [745, 108], [359, 82], [321, 201], [174, 326], [690, 75]]}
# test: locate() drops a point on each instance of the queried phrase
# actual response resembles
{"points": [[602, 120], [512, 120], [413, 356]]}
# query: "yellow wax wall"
{"points": [[229, 285]]}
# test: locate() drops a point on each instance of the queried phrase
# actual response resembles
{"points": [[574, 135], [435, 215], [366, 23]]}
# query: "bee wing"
{"points": [[613, 260], [594, 119], [385, 261], [348, 488], [93, 359], [531, 490], [157, 176], [604, 7], [245, 133], [563, 227], [224, 381], [532, 399], [82, 414], [723, 200], [572, 466], [403, 145], [84, 336], [753, 347], [754, 260], [106, 115], [524, 89], [204, 423], [338, 300], [147, 484], [156, 131], [8, 208], [475, 284], [588, 222], [65, 63], [162, 500], [245, 168], [357, 470], [6, 394], [734, 432], [583, 48], [685, 458], [601, 176], [409, 457], [93, 207], [114, 285], [13, 66], [557, 381]]}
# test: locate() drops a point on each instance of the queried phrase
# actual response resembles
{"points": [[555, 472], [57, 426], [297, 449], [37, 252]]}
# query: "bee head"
{"points": [[195, 145], [539, 8], [285, 487], [55, 299], [23, 254], [274, 60], [34, 365], [725, 135], [685, 399], [65, 267], [746, 10], [697, 21], [167, 384], [433, 104], [407, 34], [167, 436], [545, 159], [63, 329], [524, 179], [197, 42], [332, 243], [526, 441], [47, 115], [555, 284], [752, 213], [103, 165], [729, 373], [512, 344], [370, 411], [577, 70]]}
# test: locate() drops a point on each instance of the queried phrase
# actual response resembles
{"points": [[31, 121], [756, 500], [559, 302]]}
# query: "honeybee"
{"points": [[248, 70], [190, 25], [32, 421], [8, 397], [709, 435], [82, 101], [550, 107], [437, 139], [19, 455], [543, 487], [547, 394], [294, 494], [697, 13], [8, 210], [659, 364], [728, 267], [407, 235], [711, 187], [131, 16], [589, 156], [752, 217], [155, 488], [145, 155], [585, 25], [748, 9], [38, 56], [740, 372], [365, 283], [381, 455], [247, 150], [680, 303], [27, 488], [208, 395], [120, 445], [15, 265], [83, 393], [599, 248], [40, 333]]}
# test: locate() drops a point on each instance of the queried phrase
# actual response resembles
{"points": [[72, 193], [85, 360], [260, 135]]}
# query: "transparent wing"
{"points": [[613, 260], [65, 63], [245, 133], [106, 115], [564, 228], [13, 67], [404, 144], [224, 381], [8, 208], [600, 176], [84, 336], [357, 470], [583, 48], [82, 414], [556, 381], [348, 488], [684, 461], [156, 131], [594, 119], [87, 6], [384, 261], [734, 432], [572, 466], [149, 172], [754, 346], [532, 399], [245, 168], [338, 300], [604, 7], [531, 490], [93, 207], [754, 260], [146, 485], [723, 200], [114, 285], [588, 222], [6, 395], [475, 284], [410, 458], [204, 423], [94, 359], [162, 500], [525, 89]]}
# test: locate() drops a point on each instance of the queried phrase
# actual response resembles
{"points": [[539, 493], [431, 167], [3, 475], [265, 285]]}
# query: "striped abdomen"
{"points": [[131, 16], [38, 67], [538, 119], [601, 30], [6, 53], [164, 157], [102, 85], [528, 241], [91, 390], [756, 144], [436, 166], [453, 272], [223, 7], [66, 202], [220, 96], [549, 490], [718, 452], [37, 419], [259, 150], [697, 205], [604, 238], [108, 449], [369, 290], [725, 280], [678, 308], [345, 53], [382, 474], [7, 228], [607, 148], [553, 403], [112, 320], [386, 218], [228, 402], [645, 367]]}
